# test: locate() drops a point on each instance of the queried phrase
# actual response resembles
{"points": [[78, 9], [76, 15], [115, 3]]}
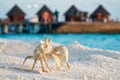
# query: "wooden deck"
{"points": [[61, 27]]}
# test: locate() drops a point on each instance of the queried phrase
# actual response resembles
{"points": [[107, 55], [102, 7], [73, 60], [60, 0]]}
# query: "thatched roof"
{"points": [[43, 9], [15, 11], [100, 9], [72, 11]]}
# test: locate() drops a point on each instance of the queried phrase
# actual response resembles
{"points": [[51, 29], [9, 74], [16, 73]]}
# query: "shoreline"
{"points": [[91, 40]]}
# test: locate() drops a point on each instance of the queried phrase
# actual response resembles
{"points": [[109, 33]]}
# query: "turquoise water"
{"points": [[103, 41]]}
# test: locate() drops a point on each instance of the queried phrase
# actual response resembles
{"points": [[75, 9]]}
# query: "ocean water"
{"points": [[102, 41]]}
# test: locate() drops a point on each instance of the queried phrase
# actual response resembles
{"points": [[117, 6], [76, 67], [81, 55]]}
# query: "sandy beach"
{"points": [[86, 63]]}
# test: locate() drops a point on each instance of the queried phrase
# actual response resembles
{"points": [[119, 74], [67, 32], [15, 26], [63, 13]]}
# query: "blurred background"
{"points": [[30, 7], [93, 23]]}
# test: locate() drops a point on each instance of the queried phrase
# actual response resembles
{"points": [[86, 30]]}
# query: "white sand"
{"points": [[87, 63]]}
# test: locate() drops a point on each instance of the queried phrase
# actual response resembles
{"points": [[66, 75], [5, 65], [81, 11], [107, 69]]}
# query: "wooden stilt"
{"points": [[5, 29], [19, 28], [50, 28]]}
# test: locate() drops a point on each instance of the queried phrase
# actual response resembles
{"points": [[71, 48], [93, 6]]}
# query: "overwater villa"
{"points": [[100, 15], [73, 14], [45, 15], [16, 14], [44, 21]]}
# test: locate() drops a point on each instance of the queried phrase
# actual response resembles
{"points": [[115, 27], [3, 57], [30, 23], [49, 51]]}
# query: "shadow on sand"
{"points": [[19, 69]]}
